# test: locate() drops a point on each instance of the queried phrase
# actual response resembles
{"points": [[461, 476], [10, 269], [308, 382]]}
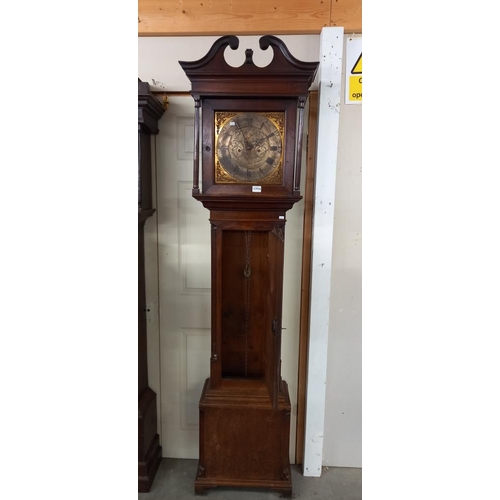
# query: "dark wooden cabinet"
{"points": [[250, 138], [150, 111]]}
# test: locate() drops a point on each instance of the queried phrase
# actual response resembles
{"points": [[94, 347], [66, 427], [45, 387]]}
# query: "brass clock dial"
{"points": [[249, 147]]}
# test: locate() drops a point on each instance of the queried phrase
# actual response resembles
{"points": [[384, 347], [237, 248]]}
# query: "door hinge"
{"points": [[274, 326]]}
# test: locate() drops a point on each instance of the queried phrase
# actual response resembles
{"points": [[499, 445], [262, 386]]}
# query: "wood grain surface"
{"points": [[226, 17]]}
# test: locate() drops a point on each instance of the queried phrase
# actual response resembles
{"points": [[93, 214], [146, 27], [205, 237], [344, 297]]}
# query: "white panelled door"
{"points": [[184, 283], [184, 287]]}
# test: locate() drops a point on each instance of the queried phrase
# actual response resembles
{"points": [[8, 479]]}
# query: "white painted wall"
{"points": [[158, 60], [342, 435]]}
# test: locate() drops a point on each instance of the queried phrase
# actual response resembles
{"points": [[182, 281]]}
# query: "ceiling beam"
{"points": [[346, 14], [227, 17]]}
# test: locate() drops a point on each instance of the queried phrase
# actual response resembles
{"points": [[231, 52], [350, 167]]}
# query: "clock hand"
{"points": [[264, 138], [247, 144]]}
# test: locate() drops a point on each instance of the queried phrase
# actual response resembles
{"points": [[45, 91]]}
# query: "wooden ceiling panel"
{"points": [[239, 17], [346, 13]]}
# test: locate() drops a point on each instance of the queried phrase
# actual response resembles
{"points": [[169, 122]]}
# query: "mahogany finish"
{"points": [[243, 440], [150, 111], [245, 405]]}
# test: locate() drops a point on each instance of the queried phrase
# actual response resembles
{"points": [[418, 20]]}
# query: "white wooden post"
{"points": [[331, 43]]}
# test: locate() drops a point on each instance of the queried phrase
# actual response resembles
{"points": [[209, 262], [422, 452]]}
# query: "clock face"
{"points": [[249, 147]]}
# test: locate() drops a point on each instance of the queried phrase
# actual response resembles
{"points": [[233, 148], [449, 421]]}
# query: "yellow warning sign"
{"points": [[354, 71], [355, 87]]}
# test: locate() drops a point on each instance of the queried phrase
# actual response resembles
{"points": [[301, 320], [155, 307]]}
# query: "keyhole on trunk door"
{"points": [[248, 271]]}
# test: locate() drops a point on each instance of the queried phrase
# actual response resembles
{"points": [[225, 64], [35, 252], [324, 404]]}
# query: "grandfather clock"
{"points": [[249, 135], [150, 111]]}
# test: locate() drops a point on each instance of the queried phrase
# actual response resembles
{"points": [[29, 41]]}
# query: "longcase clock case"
{"points": [[249, 135], [150, 112]]}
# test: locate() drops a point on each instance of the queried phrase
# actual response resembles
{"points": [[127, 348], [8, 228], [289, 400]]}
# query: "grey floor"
{"points": [[175, 481]]}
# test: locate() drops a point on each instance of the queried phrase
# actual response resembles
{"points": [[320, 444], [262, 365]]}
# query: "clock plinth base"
{"points": [[244, 441], [201, 486], [149, 441]]}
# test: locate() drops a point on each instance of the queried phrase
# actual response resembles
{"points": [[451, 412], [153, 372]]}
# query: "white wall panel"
{"points": [[322, 234], [342, 438]]}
